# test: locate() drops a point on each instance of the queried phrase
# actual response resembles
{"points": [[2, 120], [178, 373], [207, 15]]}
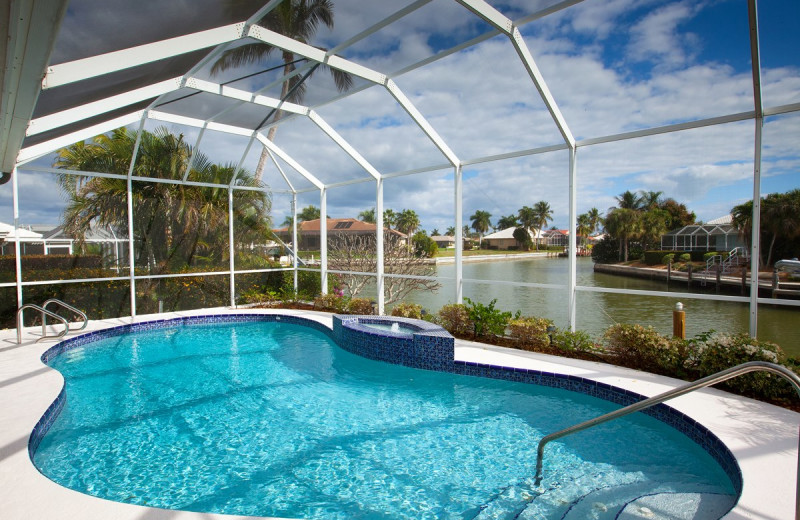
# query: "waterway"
{"points": [[597, 311]]}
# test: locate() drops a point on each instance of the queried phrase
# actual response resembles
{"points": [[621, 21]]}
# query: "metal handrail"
{"points": [[723, 375], [70, 308], [44, 326]]}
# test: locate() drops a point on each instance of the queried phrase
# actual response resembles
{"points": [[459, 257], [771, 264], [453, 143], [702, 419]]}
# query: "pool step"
{"points": [[677, 506]]}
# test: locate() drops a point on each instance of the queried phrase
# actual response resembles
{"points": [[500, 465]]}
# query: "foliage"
{"points": [[606, 251], [330, 303], [45, 262], [308, 213], [530, 331], [481, 222], [407, 310], [685, 257], [424, 246], [507, 222], [407, 221], [666, 259], [578, 341], [714, 351], [486, 320], [780, 224], [359, 306], [523, 238], [643, 348], [454, 317], [368, 215]]}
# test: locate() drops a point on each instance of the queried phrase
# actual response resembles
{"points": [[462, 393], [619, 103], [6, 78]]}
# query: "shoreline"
{"points": [[491, 258]]}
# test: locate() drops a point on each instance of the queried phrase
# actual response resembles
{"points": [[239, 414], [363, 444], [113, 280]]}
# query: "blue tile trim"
{"points": [[430, 347]]}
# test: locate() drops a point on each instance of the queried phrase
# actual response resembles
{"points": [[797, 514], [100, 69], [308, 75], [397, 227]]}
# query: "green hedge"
{"points": [[655, 257]]}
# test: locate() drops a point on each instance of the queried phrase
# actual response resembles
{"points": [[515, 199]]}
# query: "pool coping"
{"points": [[762, 437]]}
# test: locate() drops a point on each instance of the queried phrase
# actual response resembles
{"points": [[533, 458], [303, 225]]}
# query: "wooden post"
{"points": [[669, 272], [719, 275], [679, 321], [775, 283], [689, 276]]}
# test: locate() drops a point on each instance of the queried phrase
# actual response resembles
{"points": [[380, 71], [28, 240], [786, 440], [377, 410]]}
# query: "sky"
{"points": [[612, 66]]}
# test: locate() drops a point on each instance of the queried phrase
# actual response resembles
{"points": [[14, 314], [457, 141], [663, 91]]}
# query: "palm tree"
{"points": [[451, 231], [584, 226], [507, 222], [624, 224], [595, 219], [407, 221], [629, 200], [368, 215], [481, 223], [288, 222], [310, 212], [389, 218], [299, 20], [542, 214], [435, 232], [174, 225], [650, 199]]}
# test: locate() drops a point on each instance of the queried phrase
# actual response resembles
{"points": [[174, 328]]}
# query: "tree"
{"points": [[407, 221], [584, 226], [629, 200], [424, 246], [780, 220], [595, 219], [523, 238], [310, 212], [481, 223], [654, 223], [357, 254], [175, 225], [451, 231], [507, 222], [623, 224], [368, 215], [389, 218], [679, 215], [650, 199], [299, 20], [435, 232], [542, 214], [288, 222]]}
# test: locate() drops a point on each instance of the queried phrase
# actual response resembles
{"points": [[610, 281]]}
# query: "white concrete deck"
{"points": [[762, 437]]}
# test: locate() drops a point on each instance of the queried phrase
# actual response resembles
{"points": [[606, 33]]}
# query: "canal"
{"points": [[597, 311]]}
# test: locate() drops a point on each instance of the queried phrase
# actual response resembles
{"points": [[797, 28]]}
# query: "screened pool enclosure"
{"points": [[221, 124]]}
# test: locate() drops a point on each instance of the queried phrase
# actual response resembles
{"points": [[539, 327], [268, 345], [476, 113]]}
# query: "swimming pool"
{"points": [[272, 418]]}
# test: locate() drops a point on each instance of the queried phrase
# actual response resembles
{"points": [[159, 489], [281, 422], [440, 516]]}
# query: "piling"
{"points": [[689, 276], [718, 268], [679, 321], [744, 281], [669, 271]]}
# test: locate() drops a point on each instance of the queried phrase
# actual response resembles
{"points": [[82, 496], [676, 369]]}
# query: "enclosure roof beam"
{"points": [[35, 151], [245, 96], [94, 66], [290, 161], [343, 144], [79, 113]]}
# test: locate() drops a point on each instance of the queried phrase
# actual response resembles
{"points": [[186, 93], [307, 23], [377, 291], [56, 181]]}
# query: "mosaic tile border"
{"points": [[400, 349]]}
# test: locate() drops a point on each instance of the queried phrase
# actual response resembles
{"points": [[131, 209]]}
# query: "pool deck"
{"points": [[762, 437]]}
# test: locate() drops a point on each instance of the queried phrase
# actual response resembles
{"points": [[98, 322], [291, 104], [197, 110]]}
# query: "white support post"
{"points": [[573, 237], [755, 253], [17, 248], [459, 235], [323, 239], [131, 262], [295, 245], [379, 269], [231, 263]]}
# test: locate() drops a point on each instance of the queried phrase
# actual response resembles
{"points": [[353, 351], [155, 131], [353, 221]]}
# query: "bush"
{"points": [[578, 341], [424, 246], [454, 318], [359, 306], [714, 351], [486, 320], [407, 310], [330, 303], [530, 331], [643, 348], [606, 251], [685, 257], [666, 259]]}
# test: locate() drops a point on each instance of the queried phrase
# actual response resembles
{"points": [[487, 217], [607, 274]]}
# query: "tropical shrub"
{"points": [[606, 251], [578, 341], [714, 351], [330, 302], [407, 310], [359, 306], [530, 332], [685, 257], [666, 259], [643, 348], [424, 246], [486, 320], [454, 318]]}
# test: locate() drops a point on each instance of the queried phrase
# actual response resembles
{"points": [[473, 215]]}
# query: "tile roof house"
{"points": [[308, 231]]}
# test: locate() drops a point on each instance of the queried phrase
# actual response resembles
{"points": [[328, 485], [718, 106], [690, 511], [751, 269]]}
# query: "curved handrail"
{"points": [[69, 308], [44, 326], [723, 375]]}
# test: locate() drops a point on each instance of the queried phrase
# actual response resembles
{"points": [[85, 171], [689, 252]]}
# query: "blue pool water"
{"points": [[273, 419]]}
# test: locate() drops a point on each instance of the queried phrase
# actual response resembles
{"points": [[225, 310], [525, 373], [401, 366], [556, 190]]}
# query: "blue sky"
{"points": [[612, 66]]}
